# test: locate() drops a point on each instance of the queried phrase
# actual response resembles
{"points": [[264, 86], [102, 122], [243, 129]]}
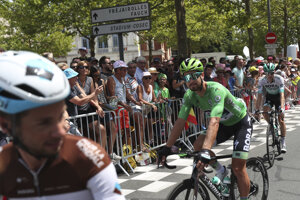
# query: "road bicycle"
{"points": [[272, 137], [199, 184]]}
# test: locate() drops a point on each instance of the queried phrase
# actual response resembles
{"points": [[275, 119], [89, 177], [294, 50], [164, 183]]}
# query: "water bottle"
{"points": [[223, 188], [276, 130]]}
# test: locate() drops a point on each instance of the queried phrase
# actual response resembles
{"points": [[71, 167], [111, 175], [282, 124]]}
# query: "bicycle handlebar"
{"points": [[192, 155]]}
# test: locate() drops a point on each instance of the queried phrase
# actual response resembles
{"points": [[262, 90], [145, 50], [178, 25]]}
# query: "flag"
{"points": [[191, 119]]}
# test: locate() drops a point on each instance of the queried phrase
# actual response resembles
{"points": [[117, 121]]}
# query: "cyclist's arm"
{"points": [[211, 133], [282, 100], [281, 92], [104, 185], [99, 175], [176, 131]]}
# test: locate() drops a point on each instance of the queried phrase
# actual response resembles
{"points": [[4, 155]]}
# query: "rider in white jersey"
{"points": [[43, 161], [272, 87]]}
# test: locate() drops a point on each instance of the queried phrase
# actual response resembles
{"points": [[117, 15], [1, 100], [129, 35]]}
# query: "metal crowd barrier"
{"points": [[148, 130]]}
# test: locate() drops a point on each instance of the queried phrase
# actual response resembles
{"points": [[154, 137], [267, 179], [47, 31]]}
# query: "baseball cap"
{"points": [[82, 48], [220, 67], [153, 70], [92, 59], [119, 63], [252, 69], [146, 74], [227, 69], [161, 76], [70, 73]]}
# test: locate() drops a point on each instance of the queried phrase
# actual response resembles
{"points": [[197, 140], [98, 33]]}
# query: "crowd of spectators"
{"points": [[138, 92]]}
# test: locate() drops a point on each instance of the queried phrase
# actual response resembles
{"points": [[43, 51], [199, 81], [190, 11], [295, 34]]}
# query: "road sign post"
{"points": [[120, 13]]}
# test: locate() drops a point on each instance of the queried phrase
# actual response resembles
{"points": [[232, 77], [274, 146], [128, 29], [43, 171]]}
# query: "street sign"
{"points": [[271, 51], [122, 27], [271, 46], [120, 12], [270, 38]]}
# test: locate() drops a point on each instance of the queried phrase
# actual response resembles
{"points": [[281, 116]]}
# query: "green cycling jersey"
{"points": [[217, 101]]}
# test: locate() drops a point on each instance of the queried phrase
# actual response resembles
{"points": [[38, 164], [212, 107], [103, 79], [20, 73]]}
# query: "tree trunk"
{"points": [[285, 28], [181, 29], [250, 30], [92, 45], [150, 50]]}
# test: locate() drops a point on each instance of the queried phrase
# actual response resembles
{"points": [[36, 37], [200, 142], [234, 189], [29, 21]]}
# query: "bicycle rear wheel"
{"points": [[270, 144], [185, 190], [259, 181]]}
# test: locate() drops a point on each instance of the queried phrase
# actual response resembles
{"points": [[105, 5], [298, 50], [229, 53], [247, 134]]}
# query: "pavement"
{"points": [[148, 182]]}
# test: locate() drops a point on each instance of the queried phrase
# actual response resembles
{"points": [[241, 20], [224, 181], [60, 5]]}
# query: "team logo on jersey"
{"points": [[91, 151], [217, 99]]}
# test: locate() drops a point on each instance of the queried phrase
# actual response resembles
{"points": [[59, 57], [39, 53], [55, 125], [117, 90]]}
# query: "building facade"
{"points": [[108, 45]]}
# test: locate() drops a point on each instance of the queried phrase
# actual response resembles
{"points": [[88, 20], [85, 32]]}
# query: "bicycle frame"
{"points": [[206, 180]]}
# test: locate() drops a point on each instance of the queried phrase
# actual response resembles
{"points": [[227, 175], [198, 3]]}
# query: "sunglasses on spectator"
{"points": [[147, 77], [73, 67], [187, 78], [82, 67], [108, 63]]}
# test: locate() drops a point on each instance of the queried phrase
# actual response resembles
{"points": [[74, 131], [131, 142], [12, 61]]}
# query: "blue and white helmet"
{"points": [[28, 80]]}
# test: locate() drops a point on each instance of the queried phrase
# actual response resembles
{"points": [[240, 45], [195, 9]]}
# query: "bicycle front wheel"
{"points": [[270, 143], [185, 190], [259, 181]]}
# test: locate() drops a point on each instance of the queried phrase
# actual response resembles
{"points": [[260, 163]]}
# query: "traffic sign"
{"points": [[120, 12], [271, 51], [271, 46], [271, 38], [122, 27]]}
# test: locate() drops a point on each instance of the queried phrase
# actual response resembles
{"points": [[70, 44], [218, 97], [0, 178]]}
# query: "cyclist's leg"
{"points": [[242, 136], [199, 142], [281, 122], [267, 107], [224, 133]]}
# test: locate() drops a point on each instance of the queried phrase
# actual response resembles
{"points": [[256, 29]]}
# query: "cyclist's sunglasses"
{"points": [[187, 78], [271, 73]]}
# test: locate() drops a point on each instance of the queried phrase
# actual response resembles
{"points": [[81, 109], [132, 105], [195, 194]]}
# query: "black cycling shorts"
{"points": [[241, 131], [273, 100]]}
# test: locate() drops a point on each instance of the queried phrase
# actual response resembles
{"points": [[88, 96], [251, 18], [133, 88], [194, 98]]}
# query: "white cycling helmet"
{"points": [[28, 80]]}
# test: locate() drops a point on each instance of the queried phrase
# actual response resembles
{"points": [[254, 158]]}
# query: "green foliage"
{"points": [[32, 25], [212, 25]]}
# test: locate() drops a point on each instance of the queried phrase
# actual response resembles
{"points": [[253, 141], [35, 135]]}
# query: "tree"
{"points": [[34, 30], [181, 29]]}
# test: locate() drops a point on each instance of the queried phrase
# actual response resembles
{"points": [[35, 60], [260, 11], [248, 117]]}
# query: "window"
{"points": [[102, 42], [85, 43], [115, 40]]}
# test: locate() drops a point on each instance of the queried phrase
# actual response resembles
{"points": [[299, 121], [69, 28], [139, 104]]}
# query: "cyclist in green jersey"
{"points": [[228, 117]]}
